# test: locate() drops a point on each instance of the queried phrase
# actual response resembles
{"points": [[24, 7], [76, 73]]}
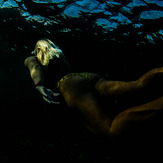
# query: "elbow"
{"points": [[26, 62], [30, 62]]}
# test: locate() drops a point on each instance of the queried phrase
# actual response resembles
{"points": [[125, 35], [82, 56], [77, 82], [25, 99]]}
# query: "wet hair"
{"points": [[45, 50]]}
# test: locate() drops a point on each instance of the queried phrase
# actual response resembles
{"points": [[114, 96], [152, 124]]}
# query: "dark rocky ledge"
{"points": [[104, 17]]}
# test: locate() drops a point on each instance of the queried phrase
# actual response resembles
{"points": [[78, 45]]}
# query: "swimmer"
{"points": [[52, 76]]}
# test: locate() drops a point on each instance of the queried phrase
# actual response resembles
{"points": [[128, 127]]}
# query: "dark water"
{"points": [[31, 129]]}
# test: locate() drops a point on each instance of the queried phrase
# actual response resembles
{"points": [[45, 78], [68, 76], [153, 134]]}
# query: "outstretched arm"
{"points": [[37, 76], [35, 70]]}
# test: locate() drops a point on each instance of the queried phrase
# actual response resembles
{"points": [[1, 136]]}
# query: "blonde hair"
{"points": [[45, 50]]}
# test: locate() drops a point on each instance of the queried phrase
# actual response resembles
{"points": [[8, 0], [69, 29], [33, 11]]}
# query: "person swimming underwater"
{"points": [[48, 60], [51, 72]]}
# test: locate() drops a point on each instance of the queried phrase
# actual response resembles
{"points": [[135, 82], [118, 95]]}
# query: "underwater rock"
{"points": [[113, 22], [154, 2], [106, 24], [126, 10], [160, 32], [102, 18], [121, 19], [113, 4], [8, 4], [75, 10], [150, 39], [151, 15], [136, 4], [49, 1], [88, 4], [1, 2]]}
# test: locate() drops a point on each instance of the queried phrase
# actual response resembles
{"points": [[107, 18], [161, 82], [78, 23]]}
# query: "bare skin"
{"points": [[79, 95], [37, 76]]}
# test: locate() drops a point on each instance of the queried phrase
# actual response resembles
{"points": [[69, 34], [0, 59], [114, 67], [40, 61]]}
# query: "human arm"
{"points": [[37, 76], [35, 69]]}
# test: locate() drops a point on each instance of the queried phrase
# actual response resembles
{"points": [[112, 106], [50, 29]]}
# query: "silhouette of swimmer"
{"points": [[85, 92]]}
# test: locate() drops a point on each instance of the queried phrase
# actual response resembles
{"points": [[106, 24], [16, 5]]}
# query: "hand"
{"points": [[48, 94]]}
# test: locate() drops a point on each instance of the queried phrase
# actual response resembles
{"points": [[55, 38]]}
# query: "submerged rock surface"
{"points": [[104, 18]]}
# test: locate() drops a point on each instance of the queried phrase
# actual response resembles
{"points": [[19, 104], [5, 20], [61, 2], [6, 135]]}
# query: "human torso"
{"points": [[56, 69]]}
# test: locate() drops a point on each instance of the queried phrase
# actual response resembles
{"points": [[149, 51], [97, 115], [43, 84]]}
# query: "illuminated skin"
{"points": [[37, 76], [79, 93]]}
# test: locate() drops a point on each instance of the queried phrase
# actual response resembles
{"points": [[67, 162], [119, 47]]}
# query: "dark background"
{"points": [[34, 130], [31, 129]]}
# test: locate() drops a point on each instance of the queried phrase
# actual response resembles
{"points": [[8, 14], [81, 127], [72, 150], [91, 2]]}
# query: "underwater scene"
{"points": [[120, 40]]}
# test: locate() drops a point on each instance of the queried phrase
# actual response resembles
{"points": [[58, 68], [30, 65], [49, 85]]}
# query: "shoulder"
{"points": [[30, 60]]}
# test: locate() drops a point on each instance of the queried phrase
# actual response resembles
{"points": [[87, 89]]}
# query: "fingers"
{"points": [[48, 91], [57, 103], [42, 91], [47, 100], [48, 94], [56, 94], [50, 101]]}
